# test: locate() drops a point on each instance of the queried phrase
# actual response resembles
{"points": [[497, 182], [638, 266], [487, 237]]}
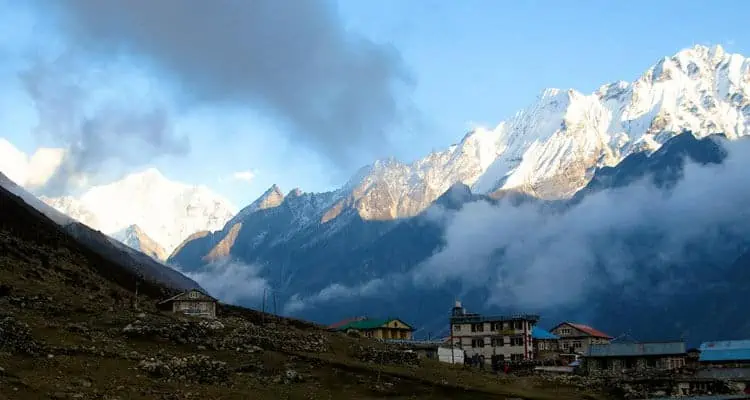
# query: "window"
{"points": [[517, 324], [516, 357], [498, 342], [477, 327], [457, 328], [516, 341], [193, 295], [576, 344], [477, 342]]}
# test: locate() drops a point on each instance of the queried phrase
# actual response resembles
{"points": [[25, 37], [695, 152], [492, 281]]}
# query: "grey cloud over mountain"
{"points": [[98, 129], [337, 91]]}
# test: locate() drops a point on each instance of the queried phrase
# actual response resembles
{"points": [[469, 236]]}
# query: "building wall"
{"points": [[204, 308], [618, 364], [574, 340], [387, 333], [511, 339]]}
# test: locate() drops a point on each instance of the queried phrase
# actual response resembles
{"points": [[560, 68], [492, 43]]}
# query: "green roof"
{"points": [[366, 324]]}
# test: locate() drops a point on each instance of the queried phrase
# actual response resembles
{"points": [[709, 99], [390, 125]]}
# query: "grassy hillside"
{"points": [[68, 330]]}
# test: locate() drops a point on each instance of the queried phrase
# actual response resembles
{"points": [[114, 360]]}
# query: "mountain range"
{"points": [[576, 205], [385, 243]]}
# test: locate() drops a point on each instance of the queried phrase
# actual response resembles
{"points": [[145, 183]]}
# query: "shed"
{"points": [[191, 302]]}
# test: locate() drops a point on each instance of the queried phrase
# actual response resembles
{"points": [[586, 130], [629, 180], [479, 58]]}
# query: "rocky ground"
{"points": [[68, 330]]}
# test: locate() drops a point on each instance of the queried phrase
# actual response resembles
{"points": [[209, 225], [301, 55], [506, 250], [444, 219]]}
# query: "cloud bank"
{"points": [[231, 282], [532, 258], [524, 255], [337, 91]]}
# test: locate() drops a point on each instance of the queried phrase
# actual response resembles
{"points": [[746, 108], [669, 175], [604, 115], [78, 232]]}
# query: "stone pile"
{"points": [[385, 356], [195, 368], [187, 332], [251, 337], [15, 337]]}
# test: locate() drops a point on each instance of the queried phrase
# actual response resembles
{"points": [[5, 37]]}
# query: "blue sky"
{"points": [[471, 62]]}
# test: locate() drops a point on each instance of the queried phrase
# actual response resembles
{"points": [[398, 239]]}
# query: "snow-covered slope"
{"points": [[550, 148], [166, 211]]}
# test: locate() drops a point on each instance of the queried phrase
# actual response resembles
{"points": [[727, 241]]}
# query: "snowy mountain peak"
{"points": [[550, 148], [273, 197], [135, 238], [164, 210]]}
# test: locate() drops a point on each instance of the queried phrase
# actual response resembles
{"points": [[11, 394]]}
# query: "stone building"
{"points": [[494, 338], [576, 338], [191, 302], [622, 358], [388, 328], [546, 344]]}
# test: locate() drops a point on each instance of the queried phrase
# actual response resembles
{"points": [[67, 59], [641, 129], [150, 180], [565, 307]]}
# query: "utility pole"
{"points": [[274, 303], [137, 283], [263, 308]]}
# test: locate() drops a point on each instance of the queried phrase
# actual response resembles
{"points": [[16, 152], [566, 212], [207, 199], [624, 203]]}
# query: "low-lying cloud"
{"points": [[529, 257], [534, 259], [338, 292], [231, 282]]}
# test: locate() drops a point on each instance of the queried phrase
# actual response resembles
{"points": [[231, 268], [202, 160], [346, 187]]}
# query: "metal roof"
{"points": [[540, 334], [366, 324], [635, 349], [727, 350], [475, 318]]}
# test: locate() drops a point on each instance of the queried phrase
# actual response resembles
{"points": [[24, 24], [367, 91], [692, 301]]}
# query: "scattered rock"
{"points": [[16, 337], [193, 368], [384, 356]]}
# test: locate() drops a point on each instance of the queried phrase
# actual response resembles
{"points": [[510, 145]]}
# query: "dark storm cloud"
{"points": [[293, 59]]}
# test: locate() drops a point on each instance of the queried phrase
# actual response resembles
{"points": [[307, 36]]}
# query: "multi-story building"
{"points": [[576, 338], [502, 338]]}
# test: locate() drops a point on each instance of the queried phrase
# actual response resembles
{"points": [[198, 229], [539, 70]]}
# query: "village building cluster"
{"points": [[516, 343]]}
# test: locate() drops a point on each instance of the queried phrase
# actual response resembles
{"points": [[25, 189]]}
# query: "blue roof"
{"points": [[541, 334], [636, 349], [728, 350]]}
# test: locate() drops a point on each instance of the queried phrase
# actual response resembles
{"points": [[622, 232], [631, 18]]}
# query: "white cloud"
{"points": [[231, 281], [245, 176], [523, 255], [29, 172]]}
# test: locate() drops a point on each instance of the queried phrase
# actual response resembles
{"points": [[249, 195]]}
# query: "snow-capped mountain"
{"points": [[551, 148], [134, 237], [548, 150], [163, 210]]}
